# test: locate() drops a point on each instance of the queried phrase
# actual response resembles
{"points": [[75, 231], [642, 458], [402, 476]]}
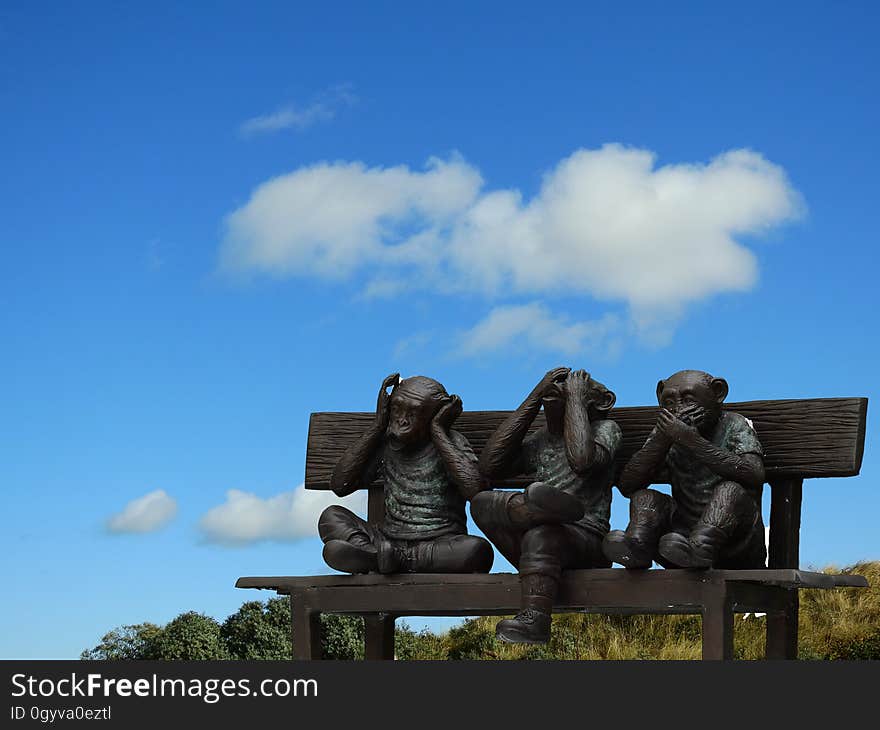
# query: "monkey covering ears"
{"points": [[714, 462], [559, 520], [430, 471]]}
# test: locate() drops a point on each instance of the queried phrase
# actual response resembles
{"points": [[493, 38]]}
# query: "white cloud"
{"points": [[607, 224], [245, 518], [331, 219], [144, 514], [299, 118], [532, 326]]}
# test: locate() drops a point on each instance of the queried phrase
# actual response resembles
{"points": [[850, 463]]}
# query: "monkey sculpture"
{"points": [[430, 471], [558, 521], [714, 462]]}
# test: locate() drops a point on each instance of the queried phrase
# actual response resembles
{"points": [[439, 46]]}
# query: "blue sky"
{"points": [[221, 217]]}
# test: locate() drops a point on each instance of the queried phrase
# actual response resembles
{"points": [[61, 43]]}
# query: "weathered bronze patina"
{"points": [[429, 471], [798, 444], [714, 462], [558, 521]]}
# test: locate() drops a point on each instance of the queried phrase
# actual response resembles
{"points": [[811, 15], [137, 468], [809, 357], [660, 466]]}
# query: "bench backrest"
{"points": [[821, 437], [818, 437]]}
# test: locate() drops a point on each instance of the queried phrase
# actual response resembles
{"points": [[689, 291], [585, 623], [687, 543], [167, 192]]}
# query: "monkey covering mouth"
{"points": [[714, 462]]}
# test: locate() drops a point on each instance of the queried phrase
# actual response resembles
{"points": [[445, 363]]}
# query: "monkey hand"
{"points": [[693, 415], [578, 385], [551, 382], [676, 430], [383, 403], [447, 414]]}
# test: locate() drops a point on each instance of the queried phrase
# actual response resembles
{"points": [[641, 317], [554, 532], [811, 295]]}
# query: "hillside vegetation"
{"points": [[843, 623]]}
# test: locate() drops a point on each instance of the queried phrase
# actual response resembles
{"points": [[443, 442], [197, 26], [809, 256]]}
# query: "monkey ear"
{"points": [[661, 384], [719, 389], [606, 401]]}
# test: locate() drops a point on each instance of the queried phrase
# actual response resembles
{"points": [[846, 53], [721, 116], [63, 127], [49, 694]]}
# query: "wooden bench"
{"points": [[802, 439]]}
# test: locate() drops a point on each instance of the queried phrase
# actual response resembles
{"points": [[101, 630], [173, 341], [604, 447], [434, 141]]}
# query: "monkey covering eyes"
{"points": [[714, 462], [430, 471], [559, 521]]}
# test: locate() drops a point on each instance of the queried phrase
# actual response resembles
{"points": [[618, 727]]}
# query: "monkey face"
{"points": [[694, 397], [410, 419]]}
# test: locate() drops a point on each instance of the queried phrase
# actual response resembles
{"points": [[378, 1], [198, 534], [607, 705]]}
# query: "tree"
{"points": [[125, 642], [258, 630], [190, 636], [342, 637]]}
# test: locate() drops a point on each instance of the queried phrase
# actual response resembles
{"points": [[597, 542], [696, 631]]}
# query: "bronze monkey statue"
{"points": [[430, 470], [714, 462], [558, 521]]}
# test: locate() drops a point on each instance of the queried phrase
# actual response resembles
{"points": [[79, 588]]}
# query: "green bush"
{"points": [[125, 642], [342, 637], [191, 636], [258, 630]]}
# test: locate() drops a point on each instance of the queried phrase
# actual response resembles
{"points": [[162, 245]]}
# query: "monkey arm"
{"points": [[744, 469], [641, 469], [578, 433], [357, 467], [460, 461], [500, 454]]}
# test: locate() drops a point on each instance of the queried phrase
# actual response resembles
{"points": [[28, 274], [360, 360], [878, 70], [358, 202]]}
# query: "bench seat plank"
{"points": [[785, 578], [612, 590]]}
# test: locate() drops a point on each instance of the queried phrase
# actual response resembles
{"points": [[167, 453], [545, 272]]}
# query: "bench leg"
{"points": [[379, 636], [305, 629], [782, 629], [717, 624]]}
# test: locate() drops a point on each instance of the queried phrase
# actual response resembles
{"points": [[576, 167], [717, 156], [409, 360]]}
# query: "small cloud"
{"points": [[144, 514], [534, 327], [299, 118], [244, 518]]}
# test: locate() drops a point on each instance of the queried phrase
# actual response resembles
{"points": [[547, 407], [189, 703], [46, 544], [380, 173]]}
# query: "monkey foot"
{"points": [[626, 550], [348, 558], [559, 505], [529, 626], [685, 553]]}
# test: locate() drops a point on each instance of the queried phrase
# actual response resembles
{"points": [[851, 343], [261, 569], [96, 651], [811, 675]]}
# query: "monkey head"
{"points": [[414, 403], [601, 400], [693, 396], [578, 384]]}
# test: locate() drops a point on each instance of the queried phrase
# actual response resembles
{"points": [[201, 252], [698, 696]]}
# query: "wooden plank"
{"points": [[785, 522], [305, 625], [819, 437], [682, 597], [681, 594], [782, 629], [717, 623], [379, 636], [756, 598], [784, 578]]}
